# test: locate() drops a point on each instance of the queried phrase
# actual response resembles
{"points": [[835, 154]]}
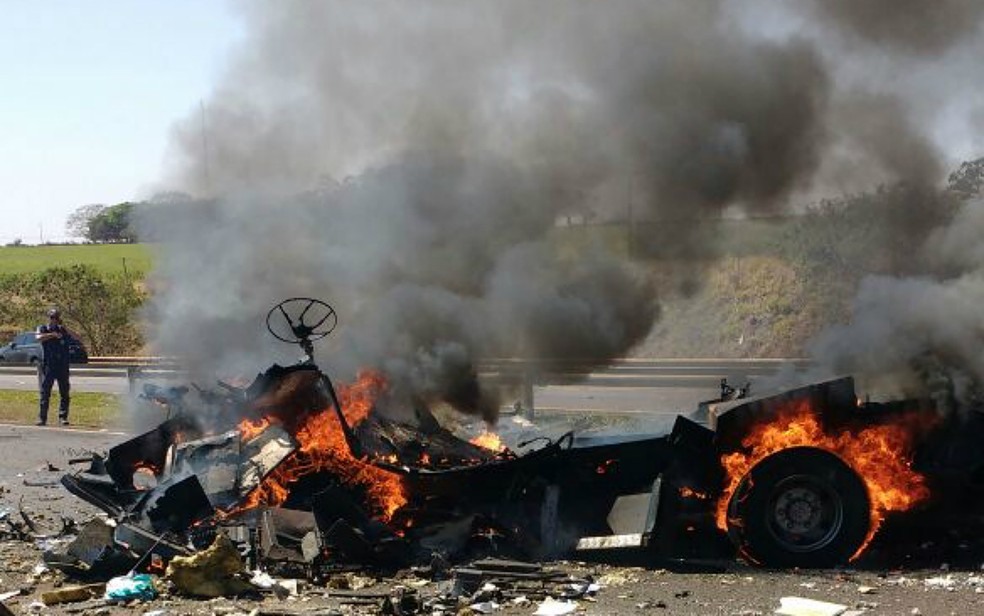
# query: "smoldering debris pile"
{"points": [[293, 480], [296, 485]]}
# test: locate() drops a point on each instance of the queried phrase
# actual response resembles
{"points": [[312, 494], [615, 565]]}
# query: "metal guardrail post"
{"points": [[529, 376]]}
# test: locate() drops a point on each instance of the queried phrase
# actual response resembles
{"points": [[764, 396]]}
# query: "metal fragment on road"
{"points": [[553, 607], [800, 606]]}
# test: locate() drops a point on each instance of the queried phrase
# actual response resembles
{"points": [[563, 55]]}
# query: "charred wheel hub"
{"points": [[805, 514]]}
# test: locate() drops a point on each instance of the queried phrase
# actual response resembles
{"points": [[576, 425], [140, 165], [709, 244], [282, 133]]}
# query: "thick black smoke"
{"points": [[431, 262], [434, 146], [925, 27]]}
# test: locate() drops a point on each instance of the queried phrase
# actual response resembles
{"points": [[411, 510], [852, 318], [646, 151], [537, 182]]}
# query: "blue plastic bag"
{"points": [[127, 587]]}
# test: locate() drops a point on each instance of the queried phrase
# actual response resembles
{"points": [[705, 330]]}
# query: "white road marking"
{"points": [[56, 428]]}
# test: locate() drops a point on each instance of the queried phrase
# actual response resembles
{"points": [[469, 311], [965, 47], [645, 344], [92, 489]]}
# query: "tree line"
{"points": [[117, 223]]}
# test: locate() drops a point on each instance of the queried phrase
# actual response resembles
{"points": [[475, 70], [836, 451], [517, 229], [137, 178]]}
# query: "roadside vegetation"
{"points": [[129, 259], [101, 307]]}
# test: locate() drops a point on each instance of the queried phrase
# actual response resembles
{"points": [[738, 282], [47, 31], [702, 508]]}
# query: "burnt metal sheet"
{"points": [[632, 520], [176, 506], [346, 543], [95, 491], [215, 461], [831, 400], [91, 555], [147, 450], [281, 534], [549, 516], [139, 542], [229, 468], [634, 513], [261, 455]]}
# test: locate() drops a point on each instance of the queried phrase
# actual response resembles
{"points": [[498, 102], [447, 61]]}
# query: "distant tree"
{"points": [[968, 180], [17, 242], [112, 224], [78, 221]]}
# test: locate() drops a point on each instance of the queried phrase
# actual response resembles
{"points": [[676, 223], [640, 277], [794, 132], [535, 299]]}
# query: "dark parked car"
{"points": [[26, 349]]}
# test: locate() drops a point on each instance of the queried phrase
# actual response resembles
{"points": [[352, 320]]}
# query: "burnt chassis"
{"points": [[651, 497], [656, 497]]}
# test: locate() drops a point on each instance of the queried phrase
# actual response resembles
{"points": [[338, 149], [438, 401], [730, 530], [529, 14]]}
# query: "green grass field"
{"points": [[88, 410], [104, 257], [731, 237]]}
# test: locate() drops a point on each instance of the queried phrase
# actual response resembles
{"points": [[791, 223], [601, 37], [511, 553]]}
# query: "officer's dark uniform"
{"points": [[54, 367]]}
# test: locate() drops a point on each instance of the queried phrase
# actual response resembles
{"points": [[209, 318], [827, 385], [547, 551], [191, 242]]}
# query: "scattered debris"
{"points": [[942, 582], [799, 606], [72, 594], [41, 483], [214, 572], [295, 486], [553, 607], [27, 520], [614, 579], [129, 587]]}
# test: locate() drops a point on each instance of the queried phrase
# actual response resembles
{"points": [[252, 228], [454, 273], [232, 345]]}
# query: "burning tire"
{"points": [[800, 507]]}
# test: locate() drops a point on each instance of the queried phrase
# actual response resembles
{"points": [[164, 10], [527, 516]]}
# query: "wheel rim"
{"points": [[804, 513]]}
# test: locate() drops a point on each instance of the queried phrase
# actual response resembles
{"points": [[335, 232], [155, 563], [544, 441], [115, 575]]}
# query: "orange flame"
{"points": [[322, 447], [489, 440], [251, 429], [686, 492], [879, 454]]}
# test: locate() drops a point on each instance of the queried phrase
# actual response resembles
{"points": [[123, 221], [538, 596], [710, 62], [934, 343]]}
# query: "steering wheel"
{"points": [[313, 319]]}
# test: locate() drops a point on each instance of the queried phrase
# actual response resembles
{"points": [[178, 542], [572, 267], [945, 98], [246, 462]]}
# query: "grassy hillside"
{"points": [[755, 306], [109, 258], [740, 288]]}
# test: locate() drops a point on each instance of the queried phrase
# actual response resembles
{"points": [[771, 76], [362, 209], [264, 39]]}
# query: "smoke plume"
{"points": [[912, 26], [409, 162]]}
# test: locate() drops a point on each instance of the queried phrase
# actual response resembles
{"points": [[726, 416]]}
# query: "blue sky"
{"points": [[89, 91]]}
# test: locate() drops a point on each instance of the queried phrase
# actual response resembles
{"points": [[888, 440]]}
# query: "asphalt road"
{"points": [[621, 400], [29, 453], [110, 385]]}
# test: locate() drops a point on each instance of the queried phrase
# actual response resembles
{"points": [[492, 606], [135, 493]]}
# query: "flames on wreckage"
{"points": [[304, 476]]}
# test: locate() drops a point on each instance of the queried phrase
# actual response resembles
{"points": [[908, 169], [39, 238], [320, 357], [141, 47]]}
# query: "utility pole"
{"points": [[629, 222]]}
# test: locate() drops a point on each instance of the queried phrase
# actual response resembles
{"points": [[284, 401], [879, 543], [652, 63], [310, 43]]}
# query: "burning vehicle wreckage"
{"points": [[307, 480]]}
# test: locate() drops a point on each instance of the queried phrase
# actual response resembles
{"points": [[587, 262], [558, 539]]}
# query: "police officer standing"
{"points": [[54, 338]]}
